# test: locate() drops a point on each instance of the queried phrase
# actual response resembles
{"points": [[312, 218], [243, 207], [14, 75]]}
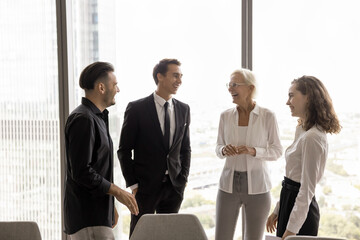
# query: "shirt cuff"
{"points": [[293, 228], [105, 185], [132, 187], [276, 209], [260, 152], [221, 151]]}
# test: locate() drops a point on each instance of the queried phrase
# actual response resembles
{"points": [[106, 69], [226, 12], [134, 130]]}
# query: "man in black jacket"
{"points": [[156, 132], [89, 210]]}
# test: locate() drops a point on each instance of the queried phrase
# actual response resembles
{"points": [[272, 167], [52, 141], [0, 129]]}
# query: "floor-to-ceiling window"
{"points": [[93, 29], [290, 39], [29, 115], [319, 38], [206, 37], [134, 35]]}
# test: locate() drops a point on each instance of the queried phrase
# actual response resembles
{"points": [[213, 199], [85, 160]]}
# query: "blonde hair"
{"points": [[248, 77]]}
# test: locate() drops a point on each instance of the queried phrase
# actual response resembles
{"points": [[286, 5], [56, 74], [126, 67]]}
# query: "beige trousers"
{"points": [[254, 208], [93, 233]]}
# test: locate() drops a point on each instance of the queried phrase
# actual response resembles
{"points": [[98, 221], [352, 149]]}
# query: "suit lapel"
{"points": [[178, 121]]}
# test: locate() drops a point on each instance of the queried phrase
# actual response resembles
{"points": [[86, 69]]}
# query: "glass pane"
{"points": [[29, 119], [93, 27], [320, 38], [205, 36], [134, 35]]}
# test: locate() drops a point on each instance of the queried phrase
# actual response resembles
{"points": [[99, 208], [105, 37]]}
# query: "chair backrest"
{"points": [[296, 237], [19, 231], [168, 226]]}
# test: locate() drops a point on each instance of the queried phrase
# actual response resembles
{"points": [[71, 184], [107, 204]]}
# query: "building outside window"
{"points": [[290, 39]]}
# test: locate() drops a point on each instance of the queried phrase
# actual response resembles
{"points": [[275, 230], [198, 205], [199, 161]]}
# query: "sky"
{"points": [[290, 39]]}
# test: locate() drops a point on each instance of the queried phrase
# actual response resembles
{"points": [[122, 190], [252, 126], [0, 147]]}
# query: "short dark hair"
{"points": [[94, 72], [162, 67]]}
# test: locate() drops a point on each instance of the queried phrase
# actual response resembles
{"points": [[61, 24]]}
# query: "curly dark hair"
{"points": [[320, 110]]}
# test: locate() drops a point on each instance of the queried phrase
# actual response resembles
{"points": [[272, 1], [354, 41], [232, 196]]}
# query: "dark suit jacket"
{"points": [[141, 133]]}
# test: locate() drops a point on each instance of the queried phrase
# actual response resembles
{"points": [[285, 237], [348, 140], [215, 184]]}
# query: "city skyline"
{"points": [[207, 41]]}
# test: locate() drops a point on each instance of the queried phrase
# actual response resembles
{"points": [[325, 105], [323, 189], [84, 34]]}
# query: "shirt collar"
{"points": [[92, 107], [256, 110], [162, 101]]}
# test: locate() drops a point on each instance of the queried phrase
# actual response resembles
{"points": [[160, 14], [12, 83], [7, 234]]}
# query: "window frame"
{"points": [[65, 70]]}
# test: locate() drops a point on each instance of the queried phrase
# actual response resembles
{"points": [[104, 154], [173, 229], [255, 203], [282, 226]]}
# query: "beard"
{"points": [[109, 99]]}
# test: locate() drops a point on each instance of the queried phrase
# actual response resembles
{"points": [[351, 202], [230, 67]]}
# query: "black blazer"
{"points": [[141, 133]]}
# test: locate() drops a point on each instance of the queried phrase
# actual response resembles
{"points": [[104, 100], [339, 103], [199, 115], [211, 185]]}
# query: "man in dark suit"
{"points": [[154, 150]]}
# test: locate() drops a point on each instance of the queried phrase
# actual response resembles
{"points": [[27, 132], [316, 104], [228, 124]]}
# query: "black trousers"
{"points": [[289, 192], [166, 200]]}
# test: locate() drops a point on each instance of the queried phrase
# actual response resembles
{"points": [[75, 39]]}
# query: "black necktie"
{"points": [[166, 126]]}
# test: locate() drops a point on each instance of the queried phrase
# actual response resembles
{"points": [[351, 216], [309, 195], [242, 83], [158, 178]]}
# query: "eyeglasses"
{"points": [[233, 85]]}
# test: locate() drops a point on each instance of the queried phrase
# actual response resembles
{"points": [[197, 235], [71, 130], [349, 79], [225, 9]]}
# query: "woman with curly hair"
{"points": [[297, 212]]}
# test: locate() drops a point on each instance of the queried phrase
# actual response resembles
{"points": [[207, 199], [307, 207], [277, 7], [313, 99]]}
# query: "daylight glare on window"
{"points": [[290, 39]]}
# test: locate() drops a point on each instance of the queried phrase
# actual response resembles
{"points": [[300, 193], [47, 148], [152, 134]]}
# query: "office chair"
{"points": [[168, 226], [19, 231]]}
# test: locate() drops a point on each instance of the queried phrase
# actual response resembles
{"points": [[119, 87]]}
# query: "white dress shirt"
{"points": [[159, 104], [305, 163], [262, 134]]}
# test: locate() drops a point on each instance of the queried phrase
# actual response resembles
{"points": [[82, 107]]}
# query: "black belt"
{"points": [[290, 184]]}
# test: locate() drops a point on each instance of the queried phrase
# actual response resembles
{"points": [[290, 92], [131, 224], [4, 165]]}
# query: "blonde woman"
{"points": [[248, 137]]}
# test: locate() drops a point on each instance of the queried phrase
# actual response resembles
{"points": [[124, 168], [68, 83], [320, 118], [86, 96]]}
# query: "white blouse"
{"points": [[305, 163], [240, 163], [262, 134]]}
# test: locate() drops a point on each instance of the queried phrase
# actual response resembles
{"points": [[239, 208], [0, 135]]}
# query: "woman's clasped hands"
{"points": [[231, 150]]}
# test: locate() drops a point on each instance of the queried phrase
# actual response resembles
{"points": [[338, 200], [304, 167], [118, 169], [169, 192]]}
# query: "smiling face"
{"points": [[297, 102], [240, 93], [170, 82], [111, 89]]}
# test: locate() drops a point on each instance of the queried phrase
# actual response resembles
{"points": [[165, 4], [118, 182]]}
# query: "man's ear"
{"points": [[100, 86], [159, 77]]}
